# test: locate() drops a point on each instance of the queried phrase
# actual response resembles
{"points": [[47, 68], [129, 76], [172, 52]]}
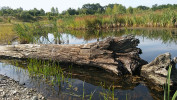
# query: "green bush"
{"points": [[1, 20], [30, 32], [94, 24]]}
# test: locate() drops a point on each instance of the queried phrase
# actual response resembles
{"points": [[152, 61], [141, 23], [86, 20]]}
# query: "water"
{"points": [[153, 42], [98, 83], [83, 82]]}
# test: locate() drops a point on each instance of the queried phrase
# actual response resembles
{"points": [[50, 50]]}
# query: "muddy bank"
{"points": [[12, 90]]}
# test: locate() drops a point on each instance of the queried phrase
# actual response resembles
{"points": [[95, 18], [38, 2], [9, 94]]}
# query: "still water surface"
{"points": [[92, 82]]}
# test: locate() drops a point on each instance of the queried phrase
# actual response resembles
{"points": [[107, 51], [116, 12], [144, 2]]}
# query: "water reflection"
{"points": [[153, 42], [165, 36], [102, 84]]}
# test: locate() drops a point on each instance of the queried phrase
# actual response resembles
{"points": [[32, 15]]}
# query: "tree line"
{"points": [[91, 9], [86, 9]]}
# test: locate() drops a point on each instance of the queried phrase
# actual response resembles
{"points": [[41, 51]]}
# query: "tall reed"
{"points": [[31, 32], [164, 18], [167, 87]]}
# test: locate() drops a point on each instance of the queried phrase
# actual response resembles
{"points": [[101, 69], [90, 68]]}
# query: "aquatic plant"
{"points": [[31, 32], [147, 18], [109, 93], [167, 87], [94, 24]]}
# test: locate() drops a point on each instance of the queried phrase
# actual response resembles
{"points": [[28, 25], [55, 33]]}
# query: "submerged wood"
{"points": [[117, 55]]}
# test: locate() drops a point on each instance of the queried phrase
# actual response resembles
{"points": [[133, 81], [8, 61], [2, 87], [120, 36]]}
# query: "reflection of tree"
{"points": [[165, 35]]}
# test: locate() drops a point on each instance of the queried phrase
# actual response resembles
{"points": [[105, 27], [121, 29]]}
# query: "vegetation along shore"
{"points": [[95, 16]]}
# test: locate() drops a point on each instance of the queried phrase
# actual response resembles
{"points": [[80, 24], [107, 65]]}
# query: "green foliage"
{"points": [[156, 7], [94, 24], [19, 13], [121, 9], [54, 11], [25, 16], [118, 9], [1, 20], [89, 16], [31, 32], [115, 9], [108, 10], [93, 8], [143, 8], [167, 87], [174, 96], [9, 19], [130, 10]]}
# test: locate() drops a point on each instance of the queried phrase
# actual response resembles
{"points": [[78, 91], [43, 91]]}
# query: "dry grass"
{"points": [[6, 33]]}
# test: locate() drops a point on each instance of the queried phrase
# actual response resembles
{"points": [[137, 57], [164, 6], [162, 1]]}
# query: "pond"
{"points": [[70, 82]]}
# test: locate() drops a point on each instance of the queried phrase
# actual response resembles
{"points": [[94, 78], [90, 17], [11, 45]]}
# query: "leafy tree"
{"points": [[115, 9], [110, 5], [93, 8], [25, 16], [154, 7], [108, 10], [130, 10], [72, 11], [42, 12], [53, 10], [143, 7], [119, 9], [57, 12]]}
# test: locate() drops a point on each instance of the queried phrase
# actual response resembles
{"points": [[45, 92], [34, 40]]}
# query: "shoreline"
{"points": [[12, 90]]}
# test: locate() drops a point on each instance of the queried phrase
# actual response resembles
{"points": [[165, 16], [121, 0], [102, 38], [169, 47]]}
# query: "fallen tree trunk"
{"points": [[157, 70], [117, 55]]}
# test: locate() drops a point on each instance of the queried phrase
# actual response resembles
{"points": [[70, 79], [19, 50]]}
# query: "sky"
{"points": [[65, 4]]}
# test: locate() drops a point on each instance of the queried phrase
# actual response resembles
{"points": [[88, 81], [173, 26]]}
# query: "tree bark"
{"points": [[116, 55]]}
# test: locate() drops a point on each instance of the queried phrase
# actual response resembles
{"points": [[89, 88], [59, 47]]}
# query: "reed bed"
{"points": [[165, 18]]}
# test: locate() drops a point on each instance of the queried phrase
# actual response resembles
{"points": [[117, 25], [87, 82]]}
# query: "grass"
{"points": [[109, 93], [144, 19], [49, 70], [167, 87], [1, 20], [31, 32], [6, 33], [55, 76]]}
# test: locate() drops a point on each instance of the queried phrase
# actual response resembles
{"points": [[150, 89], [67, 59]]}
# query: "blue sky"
{"points": [[65, 4]]}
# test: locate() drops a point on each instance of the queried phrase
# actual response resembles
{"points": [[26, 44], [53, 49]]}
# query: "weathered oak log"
{"points": [[117, 55]]}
